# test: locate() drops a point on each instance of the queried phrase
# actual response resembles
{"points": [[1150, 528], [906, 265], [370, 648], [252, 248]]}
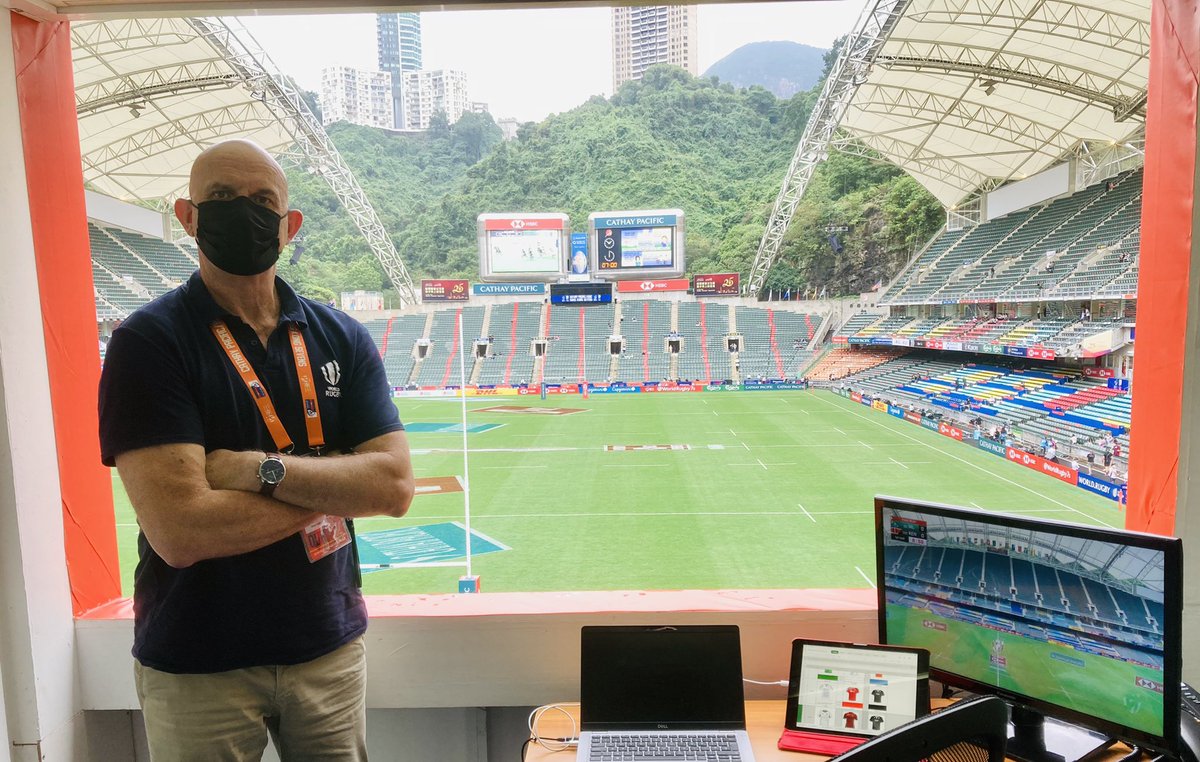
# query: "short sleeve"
{"points": [[368, 408], [145, 399]]}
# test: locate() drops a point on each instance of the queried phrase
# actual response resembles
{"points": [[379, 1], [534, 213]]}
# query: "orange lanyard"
{"points": [[258, 392]]}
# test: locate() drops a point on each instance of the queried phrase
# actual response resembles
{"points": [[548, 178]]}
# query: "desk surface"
{"points": [[764, 722]]}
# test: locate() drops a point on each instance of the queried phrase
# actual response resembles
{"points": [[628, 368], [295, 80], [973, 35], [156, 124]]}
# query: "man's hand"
{"points": [[227, 469]]}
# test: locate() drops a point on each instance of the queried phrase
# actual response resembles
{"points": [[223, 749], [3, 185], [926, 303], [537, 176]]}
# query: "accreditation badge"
{"points": [[327, 535]]}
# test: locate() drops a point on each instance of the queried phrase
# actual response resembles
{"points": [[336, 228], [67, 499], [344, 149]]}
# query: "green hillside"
{"points": [[668, 141]]}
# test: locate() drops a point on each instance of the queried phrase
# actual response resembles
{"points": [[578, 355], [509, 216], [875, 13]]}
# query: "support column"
{"points": [[1164, 473], [38, 686]]}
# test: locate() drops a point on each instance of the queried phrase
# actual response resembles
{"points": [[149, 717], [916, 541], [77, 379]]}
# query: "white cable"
{"points": [[760, 682], [553, 744]]}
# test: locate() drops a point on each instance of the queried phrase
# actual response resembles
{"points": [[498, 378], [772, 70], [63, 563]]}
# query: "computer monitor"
{"points": [[1077, 627]]}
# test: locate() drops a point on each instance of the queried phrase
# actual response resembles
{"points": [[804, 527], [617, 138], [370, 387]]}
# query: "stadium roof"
{"points": [[150, 94], [967, 94], [1136, 567]]}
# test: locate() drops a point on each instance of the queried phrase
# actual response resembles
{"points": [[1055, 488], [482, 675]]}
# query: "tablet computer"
{"points": [[855, 690]]}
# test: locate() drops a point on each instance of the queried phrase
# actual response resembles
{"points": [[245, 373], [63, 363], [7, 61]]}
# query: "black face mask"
{"points": [[238, 235]]}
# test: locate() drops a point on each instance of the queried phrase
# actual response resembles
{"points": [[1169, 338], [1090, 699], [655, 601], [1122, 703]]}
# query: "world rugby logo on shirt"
{"points": [[332, 373]]}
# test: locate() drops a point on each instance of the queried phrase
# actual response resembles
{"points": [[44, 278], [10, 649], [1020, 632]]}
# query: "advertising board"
{"points": [[443, 290], [717, 284]]}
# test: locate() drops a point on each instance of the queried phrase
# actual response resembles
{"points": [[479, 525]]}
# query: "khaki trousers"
{"points": [[312, 711]]}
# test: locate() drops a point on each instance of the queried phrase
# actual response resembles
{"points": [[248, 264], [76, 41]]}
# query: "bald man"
{"points": [[250, 426]]}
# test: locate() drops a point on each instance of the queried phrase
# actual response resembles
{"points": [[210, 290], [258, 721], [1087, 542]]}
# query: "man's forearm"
{"points": [[360, 484]]}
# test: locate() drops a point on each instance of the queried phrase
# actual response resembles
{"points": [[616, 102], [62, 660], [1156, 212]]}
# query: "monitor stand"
{"points": [[1037, 738]]}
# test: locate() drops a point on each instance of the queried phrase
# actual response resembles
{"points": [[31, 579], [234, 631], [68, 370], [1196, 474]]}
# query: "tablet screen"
{"points": [[853, 689]]}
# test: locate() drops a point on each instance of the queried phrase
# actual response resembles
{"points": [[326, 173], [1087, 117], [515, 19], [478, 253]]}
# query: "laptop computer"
{"points": [[662, 693]]}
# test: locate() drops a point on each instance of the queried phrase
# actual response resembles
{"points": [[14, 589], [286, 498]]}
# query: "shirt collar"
{"points": [[197, 294]]}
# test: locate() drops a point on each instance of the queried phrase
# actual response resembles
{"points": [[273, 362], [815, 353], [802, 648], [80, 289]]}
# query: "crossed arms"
{"points": [[193, 507]]}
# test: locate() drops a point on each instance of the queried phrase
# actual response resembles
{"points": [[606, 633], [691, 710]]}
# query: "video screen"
{"points": [[525, 251], [1061, 618], [635, 248], [853, 690]]}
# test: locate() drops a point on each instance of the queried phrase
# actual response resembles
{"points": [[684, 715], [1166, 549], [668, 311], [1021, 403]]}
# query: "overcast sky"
{"points": [[531, 63]]}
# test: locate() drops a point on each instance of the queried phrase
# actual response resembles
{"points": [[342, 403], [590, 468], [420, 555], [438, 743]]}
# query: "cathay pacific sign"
{"points": [[507, 289], [654, 220]]}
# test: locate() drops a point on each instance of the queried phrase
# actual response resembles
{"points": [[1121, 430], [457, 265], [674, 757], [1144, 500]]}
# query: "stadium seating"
{"points": [[697, 358], [564, 348], [441, 364], [841, 362], [645, 324], [1080, 245], [1030, 402]]}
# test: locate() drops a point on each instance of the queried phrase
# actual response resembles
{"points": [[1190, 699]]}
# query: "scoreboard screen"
{"points": [[637, 245], [581, 293], [522, 247], [636, 248], [912, 531]]}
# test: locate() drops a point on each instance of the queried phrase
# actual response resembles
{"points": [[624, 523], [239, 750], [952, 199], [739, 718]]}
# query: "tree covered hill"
{"points": [[784, 68], [667, 141]]}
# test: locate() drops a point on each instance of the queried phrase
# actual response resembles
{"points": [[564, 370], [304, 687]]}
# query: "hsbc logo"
{"points": [[647, 285], [517, 224], [1028, 459]]}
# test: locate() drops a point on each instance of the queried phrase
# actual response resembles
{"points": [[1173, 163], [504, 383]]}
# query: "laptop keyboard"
{"points": [[665, 747]]}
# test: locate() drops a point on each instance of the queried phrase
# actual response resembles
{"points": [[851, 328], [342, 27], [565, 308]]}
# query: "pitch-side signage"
{"points": [[442, 290], [507, 289], [646, 286], [1099, 372], [717, 284]]}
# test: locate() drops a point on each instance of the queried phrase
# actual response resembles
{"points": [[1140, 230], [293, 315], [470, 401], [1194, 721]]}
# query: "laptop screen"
{"points": [[676, 678]]}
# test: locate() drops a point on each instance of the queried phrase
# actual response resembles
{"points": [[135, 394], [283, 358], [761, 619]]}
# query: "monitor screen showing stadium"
{"points": [[522, 247], [637, 244], [1076, 622]]}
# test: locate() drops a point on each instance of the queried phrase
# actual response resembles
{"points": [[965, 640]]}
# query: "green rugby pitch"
{"points": [[774, 490]]}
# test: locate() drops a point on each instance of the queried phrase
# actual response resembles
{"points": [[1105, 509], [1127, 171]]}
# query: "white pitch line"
{"points": [[507, 467], [806, 513], [764, 465], [743, 444], [868, 579], [635, 465], [864, 444], [839, 431], [731, 431], [977, 505], [967, 462], [898, 463]]}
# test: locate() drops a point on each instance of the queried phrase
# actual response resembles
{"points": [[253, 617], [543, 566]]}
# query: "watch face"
{"points": [[271, 471]]}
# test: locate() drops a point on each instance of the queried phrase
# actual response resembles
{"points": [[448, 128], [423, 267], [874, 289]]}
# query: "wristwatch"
{"points": [[270, 473]]}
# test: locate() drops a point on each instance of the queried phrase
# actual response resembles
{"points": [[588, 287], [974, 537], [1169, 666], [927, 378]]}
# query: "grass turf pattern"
{"points": [[774, 491], [1085, 682]]}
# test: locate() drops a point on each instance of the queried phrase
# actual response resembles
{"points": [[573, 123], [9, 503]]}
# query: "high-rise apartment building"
{"points": [[398, 43], [357, 96], [653, 34], [429, 91]]}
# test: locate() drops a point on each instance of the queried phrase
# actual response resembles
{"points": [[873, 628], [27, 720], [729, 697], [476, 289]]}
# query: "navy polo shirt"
{"points": [[167, 380]]}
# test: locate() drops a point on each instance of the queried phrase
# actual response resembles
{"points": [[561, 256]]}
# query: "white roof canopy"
{"points": [[151, 93], [967, 94]]}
